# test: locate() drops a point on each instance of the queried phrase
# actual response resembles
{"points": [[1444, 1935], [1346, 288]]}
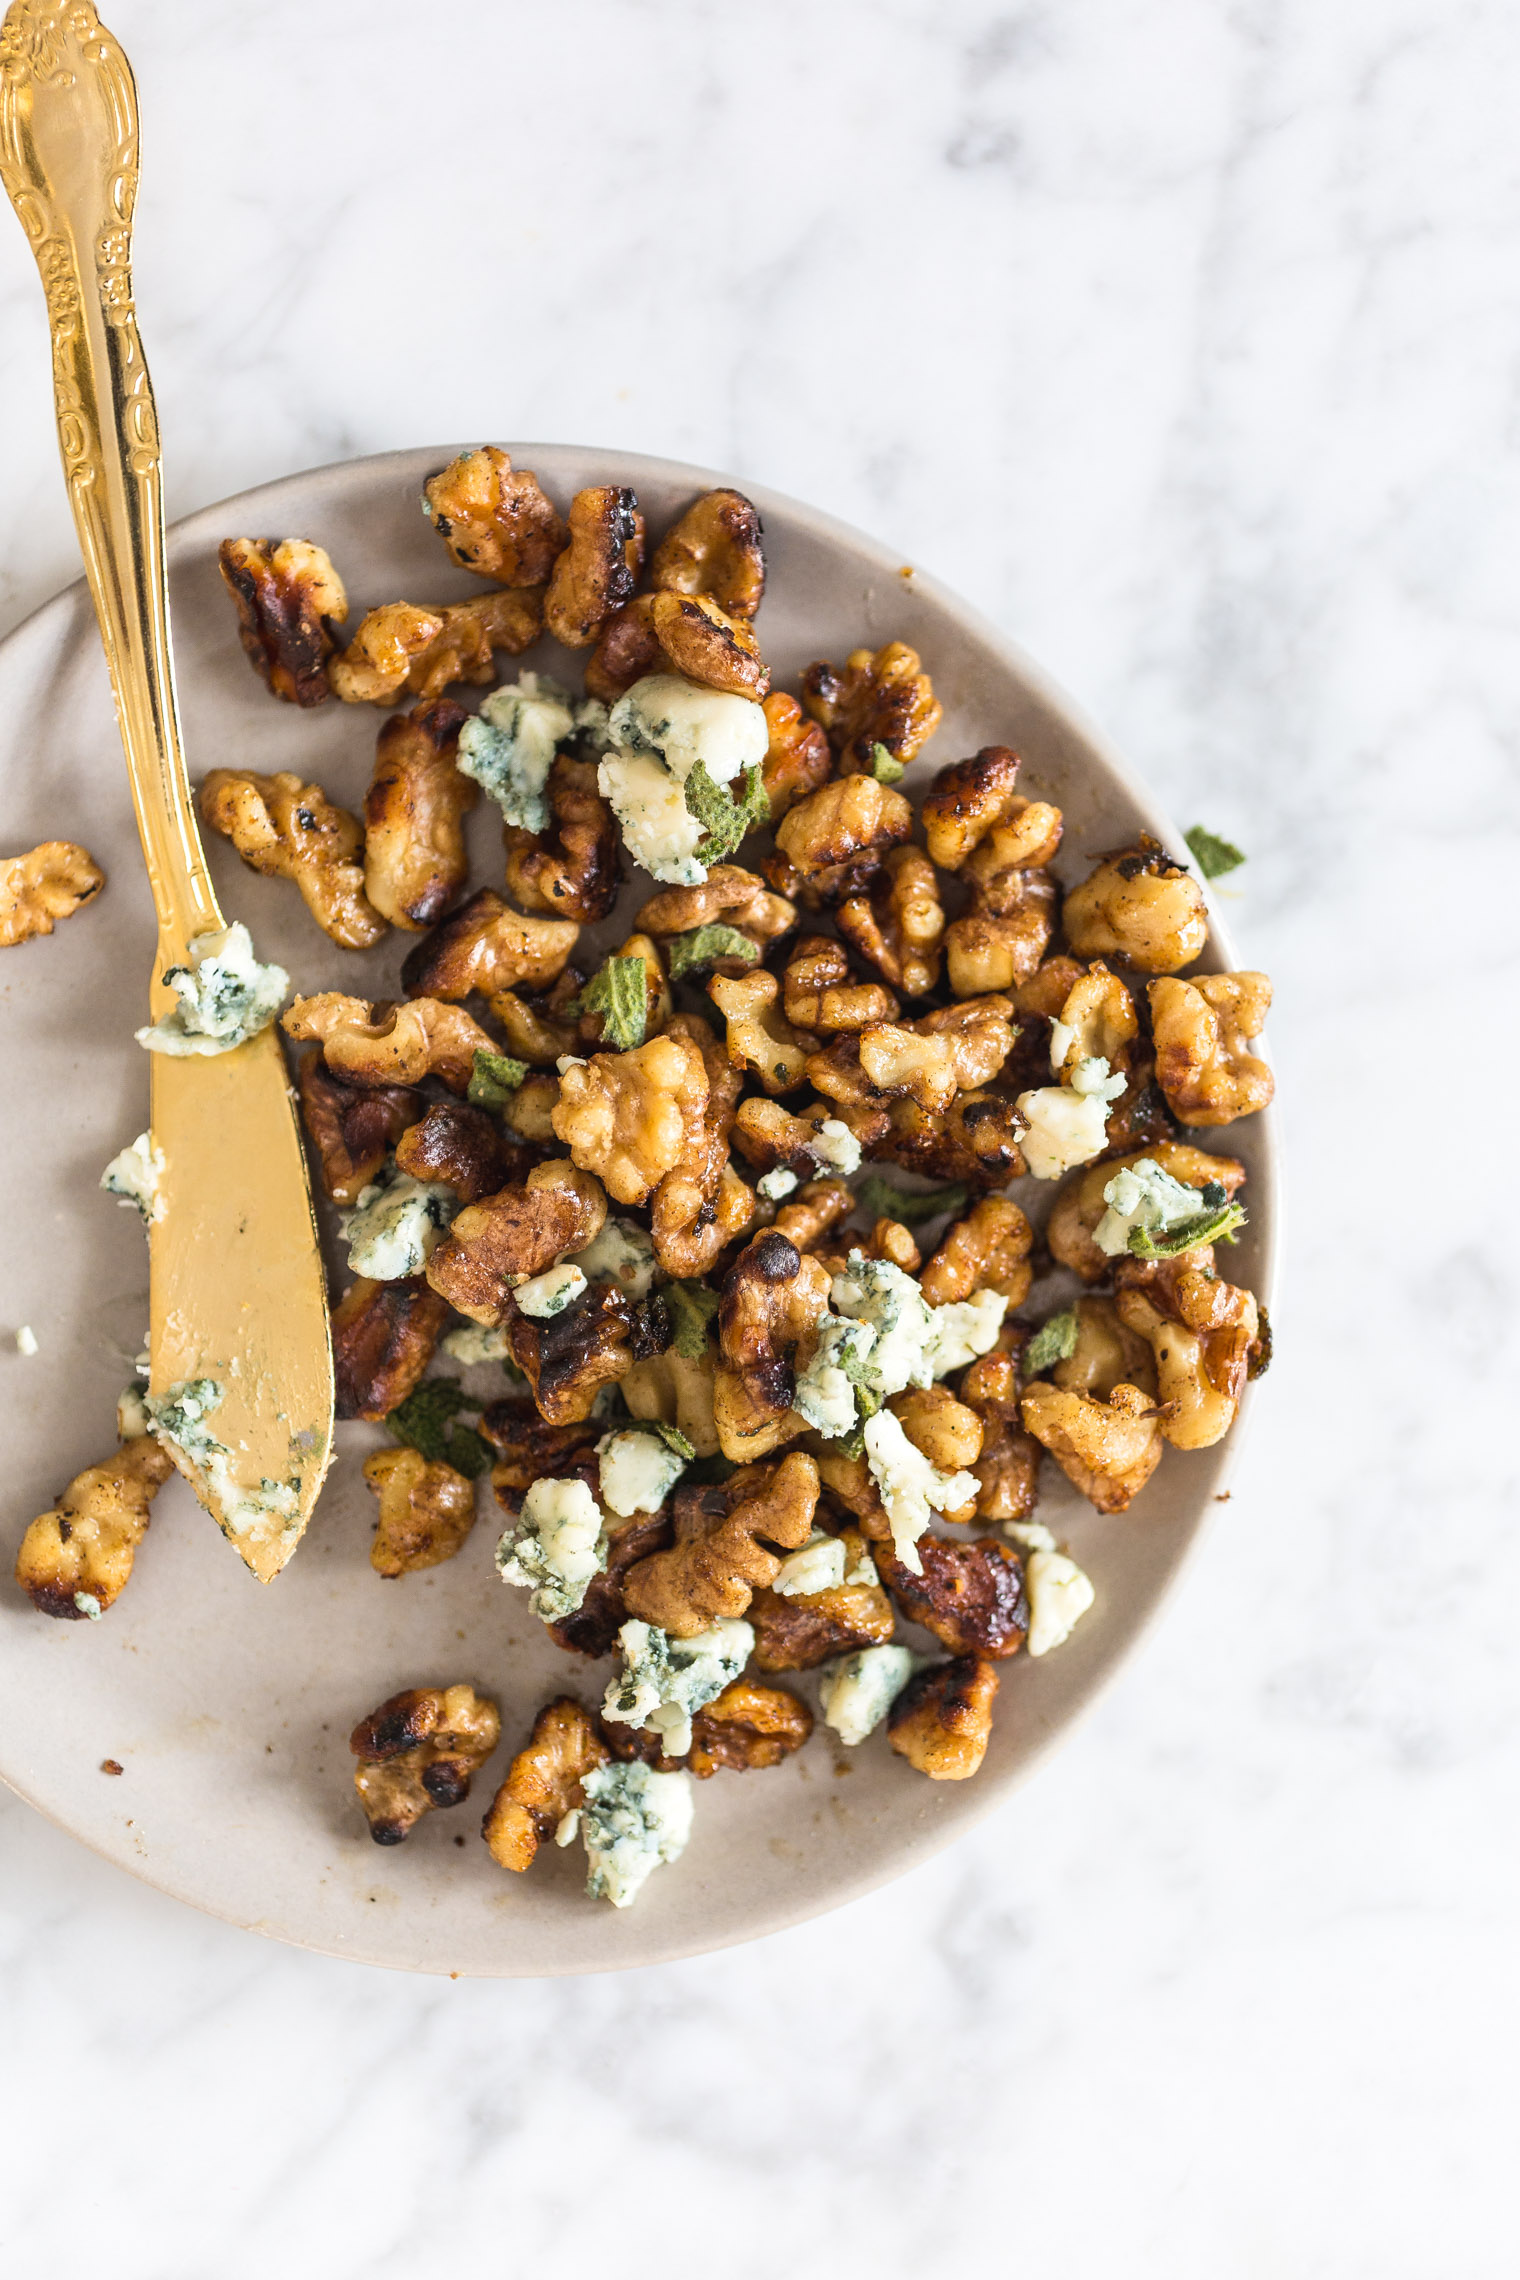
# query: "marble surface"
{"points": [[1182, 338]]}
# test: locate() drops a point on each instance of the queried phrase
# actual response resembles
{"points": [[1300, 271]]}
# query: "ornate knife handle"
{"points": [[68, 160]]}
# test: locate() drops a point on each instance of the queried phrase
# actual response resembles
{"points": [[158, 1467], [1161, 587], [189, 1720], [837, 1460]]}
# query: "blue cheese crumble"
{"points": [[835, 1147], [659, 830], [658, 732], [548, 1294], [665, 1680], [477, 1344], [825, 1387], [637, 1471], [133, 1177], [1143, 1196], [777, 1184], [622, 1253], [817, 1566], [508, 747], [1059, 1596], [179, 1416], [632, 1820], [964, 1330], [557, 1544], [1068, 1123], [226, 996], [875, 1292], [395, 1226], [859, 1689], [909, 1486]]}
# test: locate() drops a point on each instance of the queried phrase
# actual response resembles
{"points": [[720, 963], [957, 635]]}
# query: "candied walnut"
{"points": [[1042, 996], [593, 1628], [575, 867], [718, 1561], [1204, 1028], [543, 1782], [1139, 905], [528, 1114], [455, 1146], [1107, 1450], [852, 1485], [1079, 1201], [821, 993], [495, 520], [945, 1430], [797, 758], [747, 1728], [285, 589], [702, 1205], [76, 1560], [773, 1301], [888, 1239], [729, 897], [418, 1750], [514, 1234], [799, 1630], [383, 1337], [595, 575], [487, 947], [531, 1032], [710, 647], [678, 1390], [1098, 1018], [568, 1358], [1008, 1468], [388, 1044], [976, 1140], [887, 699], [942, 1718], [289, 830], [899, 925], [631, 1117], [527, 1449], [974, 798], [1001, 951], [1000, 869], [1203, 1333], [955, 1050], [1107, 1353], [403, 648], [39, 888], [627, 649], [970, 1596], [812, 1212], [835, 841], [759, 1035], [768, 1135], [426, 1511], [414, 852], [351, 1127], [715, 549], [987, 1250]]}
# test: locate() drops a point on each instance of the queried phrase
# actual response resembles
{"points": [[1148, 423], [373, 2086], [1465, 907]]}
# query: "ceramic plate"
{"points": [[228, 1704]]}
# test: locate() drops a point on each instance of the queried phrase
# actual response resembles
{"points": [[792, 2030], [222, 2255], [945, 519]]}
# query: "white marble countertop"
{"points": [[1183, 339]]}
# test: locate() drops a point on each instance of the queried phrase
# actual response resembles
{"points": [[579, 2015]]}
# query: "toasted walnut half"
{"points": [[887, 699], [49, 883], [1203, 1333], [813, 1212], [797, 1631], [797, 758], [1079, 1201], [414, 852], [718, 1560], [1000, 950], [453, 1145], [773, 1301], [759, 1035], [528, 1450], [495, 520], [1008, 1468], [729, 897], [1204, 1030], [595, 575], [975, 797], [351, 1127], [403, 648], [747, 1728], [284, 589], [569, 1357], [1107, 1449], [418, 1750], [575, 867], [900, 924], [987, 1250], [627, 648], [487, 947], [942, 1719], [678, 1390], [75, 1560], [290, 830], [543, 1783], [426, 1511], [510, 1236], [821, 993], [1107, 1353], [710, 647], [1140, 906], [383, 1337], [714, 549], [835, 841], [970, 1596], [388, 1044], [945, 1430], [630, 1117], [976, 1140], [702, 1205], [955, 1050]]}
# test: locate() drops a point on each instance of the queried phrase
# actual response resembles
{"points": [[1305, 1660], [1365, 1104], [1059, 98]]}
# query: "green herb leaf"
{"points": [[667, 1433], [851, 1444], [884, 767], [1214, 856], [884, 1201], [619, 992], [1054, 1341], [709, 1472], [724, 819], [423, 1422], [691, 1306], [1217, 1226], [469, 1454], [494, 1078], [705, 945]]}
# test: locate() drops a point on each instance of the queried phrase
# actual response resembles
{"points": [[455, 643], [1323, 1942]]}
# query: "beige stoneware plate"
{"points": [[227, 1703]]}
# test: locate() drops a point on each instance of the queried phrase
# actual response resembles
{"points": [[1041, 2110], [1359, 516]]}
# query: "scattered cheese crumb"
{"points": [[548, 1294], [1059, 1596], [26, 1339]]}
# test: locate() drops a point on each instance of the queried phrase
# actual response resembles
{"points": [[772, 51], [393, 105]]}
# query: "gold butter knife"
{"points": [[240, 1347]]}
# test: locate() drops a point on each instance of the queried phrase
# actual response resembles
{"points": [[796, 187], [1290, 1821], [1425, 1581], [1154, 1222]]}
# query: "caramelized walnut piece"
{"points": [[1079, 1201], [702, 1205], [976, 1140], [1140, 906], [1100, 1016], [417, 650], [797, 758], [388, 1044], [591, 1025], [773, 1300], [454, 1145], [718, 1560], [835, 841], [75, 1561], [1107, 1450], [1203, 1333], [528, 1113], [1001, 950], [708, 646], [532, 1034], [595, 575], [987, 1250], [887, 699], [418, 1750], [944, 1053], [575, 867], [383, 1337], [593, 1628], [414, 853], [1107, 1353], [543, 1782], [485, 946], [1008, 1468], [768, 1135], [969, 1596], [678, 1390], [568, 1358], [899, 925], [1204, 1029], [284, 589], [820, 992], [812, 1213], [747, 1728], [626, 650], [289, 830], [630, 1117], [351, 1127], [516, 1233], [528, 1450], [974, 798], [941, 1720], [715, 549], [759, 1035], [799, 1630], [426, 1511], [728, 897], [39, 888], [495, 520], [943, 1429]]}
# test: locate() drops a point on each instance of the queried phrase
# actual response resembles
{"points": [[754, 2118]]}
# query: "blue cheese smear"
{"points": [[179, 1417], [1143, 1196], [226, 996], [632, 1820], [543, 1296], [657, 733], [909, 1486], [557, 1544], [1059, 1596], [859, 1689], [665, 1680], [395, 1226], [133, 1177], [509, 746], [638, 1470], [622, 1253]]}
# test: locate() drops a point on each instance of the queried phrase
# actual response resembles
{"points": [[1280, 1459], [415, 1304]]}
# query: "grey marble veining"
{"points": [[1183, 338]]}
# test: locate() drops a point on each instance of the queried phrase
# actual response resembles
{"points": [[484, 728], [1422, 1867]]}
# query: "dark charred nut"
{"points": [[797, 1631], [383, 1337], [75, 1560], [426, 1511], [886, 699], [418, 1750], [833, 843], [573, 869], [773, 1300], [974, 815], [454, 1145], [352, 1128], [495, 520], [1139, 1120], [414, 853], [971, 1596], [1139, 905], [568, 1358], [942, 1719], [285, 590], [543, 1783], [714, 549], [527, 1449], [975, 1142], [286, 829], [593, 1628], [748, 1727], [513, 1235], [386, 1044], [797, 758], [485, 946], [627, 649], [718, 1559], [708, 646], [595, 575], [1008, 1468], [820, 992]]}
